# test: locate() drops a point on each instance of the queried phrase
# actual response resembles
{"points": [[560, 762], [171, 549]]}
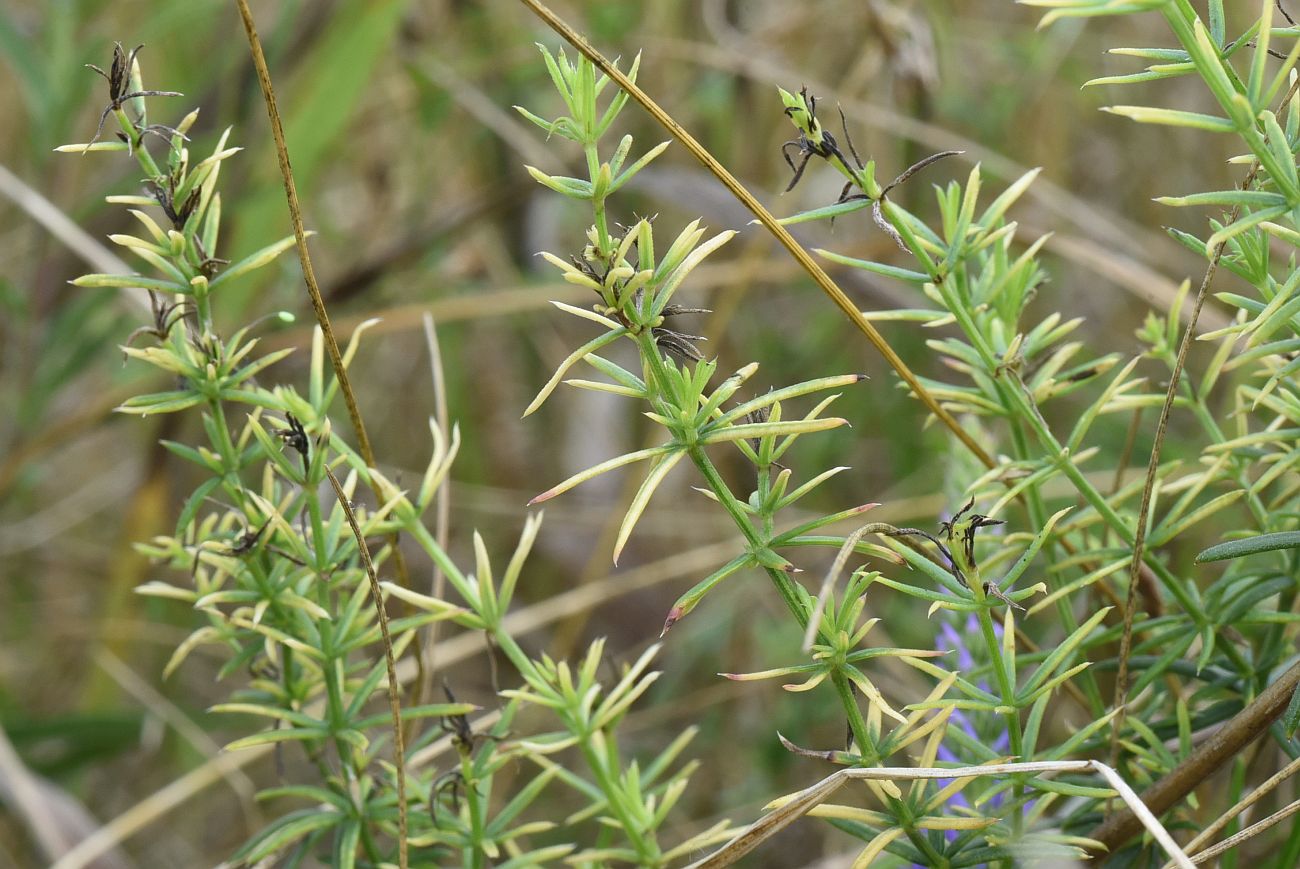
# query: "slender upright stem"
{"points": [[394, 687], [314, 293]]}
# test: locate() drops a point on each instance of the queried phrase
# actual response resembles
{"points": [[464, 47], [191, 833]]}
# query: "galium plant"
{"points": [[636, 292], [273, 549], [1223, 640], [283, 575], [1213, 654]]}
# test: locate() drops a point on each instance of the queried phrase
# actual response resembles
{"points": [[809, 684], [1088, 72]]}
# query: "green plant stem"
{"points": [[1016, 397], [318, 535], [225, 446], [1037, 513], [598, 203], [439, 556], [1180, 16], [722, 491], [862, 734], [142, 155], [907, 820], [645, 846], [203, 311], [368, 843], [394, 704], [478, 831], [1007, 687], [785, 586], [517, 657], [335, 706]]}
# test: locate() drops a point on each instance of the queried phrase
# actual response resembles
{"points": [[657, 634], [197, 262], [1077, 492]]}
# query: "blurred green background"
{"points": [[409, 162]]}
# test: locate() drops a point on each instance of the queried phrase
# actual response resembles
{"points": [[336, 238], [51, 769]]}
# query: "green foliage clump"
{"points": [[1083, 580]]}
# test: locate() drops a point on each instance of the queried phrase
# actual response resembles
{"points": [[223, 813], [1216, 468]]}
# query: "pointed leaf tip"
{"points": [[673, 615]]}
